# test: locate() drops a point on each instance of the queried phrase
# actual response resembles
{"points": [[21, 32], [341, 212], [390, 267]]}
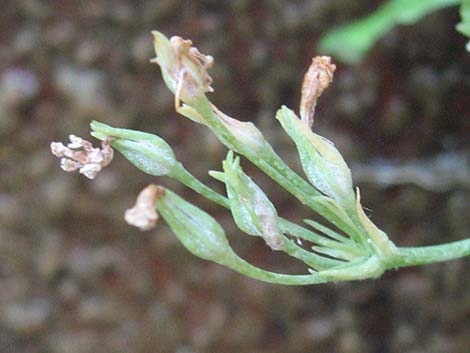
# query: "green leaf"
{"points": [[464, 25], [351, 42]]}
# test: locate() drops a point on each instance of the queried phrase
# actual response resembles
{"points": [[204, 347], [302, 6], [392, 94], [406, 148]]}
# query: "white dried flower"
{"points": [[144, 215], [80, 155]]}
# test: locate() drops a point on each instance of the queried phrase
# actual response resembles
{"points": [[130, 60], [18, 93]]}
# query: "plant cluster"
{"points": [[350, 247]]}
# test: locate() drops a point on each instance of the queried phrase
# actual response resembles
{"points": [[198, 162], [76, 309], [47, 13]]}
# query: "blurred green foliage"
{"points": [[464, 25], [351, 42]]}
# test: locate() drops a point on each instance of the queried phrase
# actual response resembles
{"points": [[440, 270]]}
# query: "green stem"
{"points": [[414, 256], [299, 231], [180, 173], [241, 266], [364, 268], [315, 261]]}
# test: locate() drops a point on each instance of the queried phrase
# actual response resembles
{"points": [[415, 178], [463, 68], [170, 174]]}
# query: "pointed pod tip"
{"points": [[94, 124], [98, 135], [283, 112], [101, 128], [220, 176], [282, 109], [157, 35]]}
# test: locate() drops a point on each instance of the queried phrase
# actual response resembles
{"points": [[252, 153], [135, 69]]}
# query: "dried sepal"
{"points": [[80, 155], [143, 214], [317, 78], [184, 68]]}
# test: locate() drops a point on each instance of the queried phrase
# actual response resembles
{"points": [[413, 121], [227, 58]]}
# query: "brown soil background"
{"points": [[74, 278]]}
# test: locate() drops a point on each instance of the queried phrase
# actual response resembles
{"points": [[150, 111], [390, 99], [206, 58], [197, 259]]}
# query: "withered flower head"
{"points": [[317, 78], [184, 68], [143, 214], [80, 155]]}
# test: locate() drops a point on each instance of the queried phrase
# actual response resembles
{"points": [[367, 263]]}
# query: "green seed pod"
{"points": [[323, 164], [252, 211], [197, 231], [244, 132], [148, 152]]}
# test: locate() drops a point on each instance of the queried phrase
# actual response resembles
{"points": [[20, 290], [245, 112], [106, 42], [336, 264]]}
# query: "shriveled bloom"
{"points": [[183, 67], [80, 155], [144, 215], [317, 78]]}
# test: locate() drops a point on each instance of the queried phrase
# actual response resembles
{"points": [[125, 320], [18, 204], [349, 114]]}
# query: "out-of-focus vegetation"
{"points": [[464, 25], [351, 42]]}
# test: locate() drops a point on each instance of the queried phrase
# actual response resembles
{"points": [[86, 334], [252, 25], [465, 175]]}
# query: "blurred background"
{"points": [[75, 278]]}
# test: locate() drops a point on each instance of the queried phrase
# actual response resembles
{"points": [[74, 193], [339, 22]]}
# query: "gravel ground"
{"points": [[74, 278]]}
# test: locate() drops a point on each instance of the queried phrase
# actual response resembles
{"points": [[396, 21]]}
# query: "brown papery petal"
{"points": [[317, 78]]}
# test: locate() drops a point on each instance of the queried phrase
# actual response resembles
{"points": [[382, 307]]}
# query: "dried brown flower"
{"points": [[80, 155], [317, 78], [184, 66]]}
